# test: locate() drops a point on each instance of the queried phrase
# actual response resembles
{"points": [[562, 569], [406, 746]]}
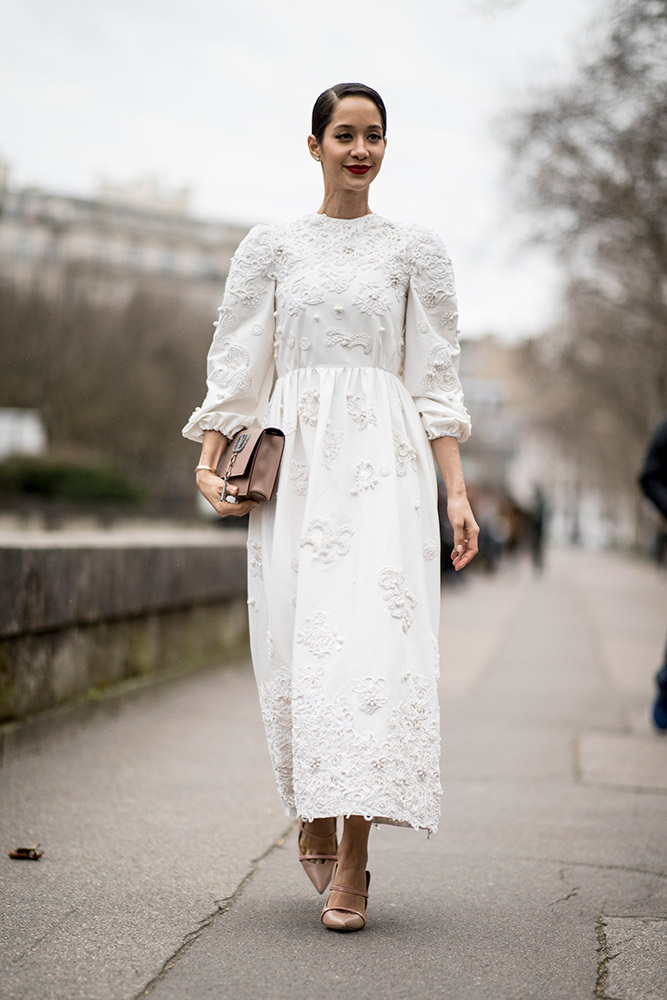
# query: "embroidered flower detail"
{"points": [[360, 410], [370, 299], [434, 277], [275, 699], [332, 444], [384, 470], [369, 692], [430, 549], [364, 478], [362, 340], [304, 344], [440, 371], [257, 330], [395, 278], [423, 327], [295, 296], [398, 598], [225, 318], [249, 293], [405, 455], [255, 560], [309, 406], [231, 373], [319, 637], [338, 311], [325, 541], [298, 473], [294, 565], [449, 319]]}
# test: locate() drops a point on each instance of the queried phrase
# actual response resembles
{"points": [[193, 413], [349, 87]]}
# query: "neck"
{"points": [[339, 205]]}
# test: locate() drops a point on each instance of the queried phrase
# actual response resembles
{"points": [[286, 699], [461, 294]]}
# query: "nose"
{"points": [[359, 151]]}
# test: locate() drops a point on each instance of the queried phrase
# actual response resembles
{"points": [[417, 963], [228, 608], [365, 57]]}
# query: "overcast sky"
{"points": [[216, 95]]}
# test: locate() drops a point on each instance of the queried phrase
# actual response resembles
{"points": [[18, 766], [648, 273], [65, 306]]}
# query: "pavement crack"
{"points": [[564, 899], [603, 961], [613, 868], [564, 863], [221, 906], [562, 874]]}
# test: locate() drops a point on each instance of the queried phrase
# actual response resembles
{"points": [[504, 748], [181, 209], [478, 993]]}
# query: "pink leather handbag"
{"points": [[251, 462]]}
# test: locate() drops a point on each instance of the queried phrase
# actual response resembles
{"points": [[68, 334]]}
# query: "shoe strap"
{"points": [[318, 857], [314, 835], [342, 888], [343, 909]]}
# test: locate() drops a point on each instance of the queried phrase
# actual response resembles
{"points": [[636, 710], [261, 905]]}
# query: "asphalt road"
{"points": [[170, 871]]}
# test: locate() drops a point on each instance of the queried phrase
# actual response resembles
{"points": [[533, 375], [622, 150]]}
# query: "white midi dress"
{"points": [[343, 333]]}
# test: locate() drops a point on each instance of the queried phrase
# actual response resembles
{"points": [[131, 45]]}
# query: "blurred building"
{"points": [[488, 374], [513, 452], [127, 238]]}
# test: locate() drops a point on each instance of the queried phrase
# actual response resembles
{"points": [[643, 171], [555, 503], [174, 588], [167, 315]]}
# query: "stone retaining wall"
{"points": [[82, 611]]}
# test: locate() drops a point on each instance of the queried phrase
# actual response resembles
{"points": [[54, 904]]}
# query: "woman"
{"points": [[341, 329]]}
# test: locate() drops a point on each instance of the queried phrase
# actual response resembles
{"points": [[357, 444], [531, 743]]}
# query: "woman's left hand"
{"points": [[466, 531]]}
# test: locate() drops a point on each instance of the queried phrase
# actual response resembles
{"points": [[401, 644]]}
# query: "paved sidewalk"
{"points": [[170, 871]]}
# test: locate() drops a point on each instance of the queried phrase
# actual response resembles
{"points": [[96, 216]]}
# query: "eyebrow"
{"points": [[378, 128]]}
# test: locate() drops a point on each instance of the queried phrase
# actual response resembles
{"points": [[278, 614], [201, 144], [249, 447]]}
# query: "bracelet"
{"points": [[208, 468]]}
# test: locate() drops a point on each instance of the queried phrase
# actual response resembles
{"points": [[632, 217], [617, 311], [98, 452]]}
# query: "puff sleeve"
{"points": [[240, 360], [431, 339]]}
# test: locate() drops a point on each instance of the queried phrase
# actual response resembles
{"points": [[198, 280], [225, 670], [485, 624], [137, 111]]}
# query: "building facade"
{"points": [[126, 238]]}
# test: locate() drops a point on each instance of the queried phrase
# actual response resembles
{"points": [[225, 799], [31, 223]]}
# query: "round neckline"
{"points": [[335, 218]]}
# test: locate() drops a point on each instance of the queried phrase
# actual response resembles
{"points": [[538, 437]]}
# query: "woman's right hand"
{"points": [[210, 487]]}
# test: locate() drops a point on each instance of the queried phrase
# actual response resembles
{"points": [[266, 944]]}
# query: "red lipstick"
{"points": [[358, 169]]}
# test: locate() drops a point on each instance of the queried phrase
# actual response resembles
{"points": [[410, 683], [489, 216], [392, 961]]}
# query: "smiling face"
{"points": [[352, 147]]}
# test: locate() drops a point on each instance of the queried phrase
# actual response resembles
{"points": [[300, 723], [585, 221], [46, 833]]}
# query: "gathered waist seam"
{"points": [[339, 368]]}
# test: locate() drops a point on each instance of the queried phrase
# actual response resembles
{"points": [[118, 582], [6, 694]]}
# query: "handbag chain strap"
{"points": [[238, 445]]}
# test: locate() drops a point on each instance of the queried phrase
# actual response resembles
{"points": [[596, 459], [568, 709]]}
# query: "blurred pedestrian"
{"points": [[653, 481], [538, 516], [341, 329]]}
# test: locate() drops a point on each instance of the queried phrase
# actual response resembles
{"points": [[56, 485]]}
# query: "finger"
{"points": [[465, 557], [226, 509]]}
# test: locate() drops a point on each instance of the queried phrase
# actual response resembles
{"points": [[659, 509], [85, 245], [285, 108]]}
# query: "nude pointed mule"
{"points": [[344, 918], [318, 867]]}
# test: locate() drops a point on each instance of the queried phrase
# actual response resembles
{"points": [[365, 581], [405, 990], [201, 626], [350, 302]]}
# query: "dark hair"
{"points": [[325, 105]]}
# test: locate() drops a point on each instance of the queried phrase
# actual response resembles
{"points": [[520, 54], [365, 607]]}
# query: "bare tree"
{"points": [[116, 383], [590, 162]]}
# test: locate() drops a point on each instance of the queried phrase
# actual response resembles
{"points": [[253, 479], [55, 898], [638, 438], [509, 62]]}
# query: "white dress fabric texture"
{"points": [[343, 332]]}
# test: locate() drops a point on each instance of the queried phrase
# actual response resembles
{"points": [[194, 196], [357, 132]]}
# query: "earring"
{"points": [[317, 158]]}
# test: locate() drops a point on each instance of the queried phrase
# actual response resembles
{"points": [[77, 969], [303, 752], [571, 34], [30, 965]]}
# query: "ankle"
{"points": [[352, 860], [321, 827]]}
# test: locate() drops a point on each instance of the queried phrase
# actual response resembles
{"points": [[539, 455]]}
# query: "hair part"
{"points": [[326, 103]]}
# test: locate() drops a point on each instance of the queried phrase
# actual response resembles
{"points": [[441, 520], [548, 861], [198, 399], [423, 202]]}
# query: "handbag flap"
{"points": [[244, 456]]}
